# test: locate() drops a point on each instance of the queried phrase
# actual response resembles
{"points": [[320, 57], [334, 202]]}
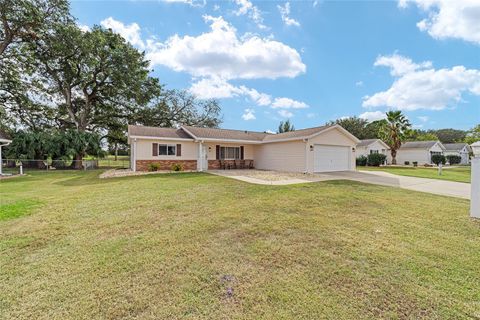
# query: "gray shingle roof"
{"points": [[418, 144], [224, 134], [227, 134], [157, 132], [454, 146], [295, 134], [366, 142]]}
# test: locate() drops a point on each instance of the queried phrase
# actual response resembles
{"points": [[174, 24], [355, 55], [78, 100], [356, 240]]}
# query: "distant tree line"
{"points": [[57, 80], [396, 129], [364, 129]]}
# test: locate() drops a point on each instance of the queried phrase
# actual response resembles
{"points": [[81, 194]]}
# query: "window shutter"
{"points": [[179, 150], [217, 153], [242, 152], [154, 149]]}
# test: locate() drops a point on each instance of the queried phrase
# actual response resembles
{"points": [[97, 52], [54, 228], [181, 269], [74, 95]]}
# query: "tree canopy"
{"points": [[285, 127], [56, 77]]}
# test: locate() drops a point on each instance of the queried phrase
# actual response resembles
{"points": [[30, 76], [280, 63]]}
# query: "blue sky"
{"points": [[310, 61]]}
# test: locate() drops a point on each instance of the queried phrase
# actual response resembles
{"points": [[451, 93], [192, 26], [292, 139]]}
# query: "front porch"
{"points": [[230, 164], [225, 156]]}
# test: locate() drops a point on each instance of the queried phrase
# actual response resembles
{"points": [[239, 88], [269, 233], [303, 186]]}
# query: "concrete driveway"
{"points": [[435, 186], [441, 187]]}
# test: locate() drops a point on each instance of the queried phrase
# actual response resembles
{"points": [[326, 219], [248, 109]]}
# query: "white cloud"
{"points": [[359, 83], [315, 3], [372, 115], [246, 7], [83, 27], [130, 32], [208, 88], [420, 86], [311, 115], [285, 113], [193, 3], [423, 118], [270, 131], [449, 18], [216, 7], [222, 53], [287, 103], [285, 14], [400, 65], [249, 114]]}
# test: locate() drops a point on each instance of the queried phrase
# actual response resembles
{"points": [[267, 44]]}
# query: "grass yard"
{"points": [[198, 246], [459, 174]]}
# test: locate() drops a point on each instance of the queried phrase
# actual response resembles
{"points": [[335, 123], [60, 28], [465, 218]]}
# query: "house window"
{"points": [[167, 149], [229, 153], [435, 152], [373, 151]]}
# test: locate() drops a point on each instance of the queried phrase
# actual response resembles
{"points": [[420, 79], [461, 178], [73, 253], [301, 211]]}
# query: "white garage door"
{"points": [[331, 158]]}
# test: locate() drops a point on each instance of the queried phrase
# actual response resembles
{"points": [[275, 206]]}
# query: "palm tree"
{"points": [[394, 131]]}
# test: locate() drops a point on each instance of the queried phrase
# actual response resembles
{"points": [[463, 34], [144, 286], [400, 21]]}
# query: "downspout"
{"points": [[306, 155]]}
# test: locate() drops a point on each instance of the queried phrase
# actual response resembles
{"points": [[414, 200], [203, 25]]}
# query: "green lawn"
{"points": [[198, 246], [459, 174]]}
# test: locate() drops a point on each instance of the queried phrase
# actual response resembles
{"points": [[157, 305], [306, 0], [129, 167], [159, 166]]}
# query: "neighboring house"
{"points": [[459, 149], [319, 149], [366, 147], [419, 151], [3, 142]]}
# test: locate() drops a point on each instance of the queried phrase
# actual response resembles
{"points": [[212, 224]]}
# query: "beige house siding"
{"points": [[332, 137], [281, 156], [144, 150], [421, 156], [365, 151]]}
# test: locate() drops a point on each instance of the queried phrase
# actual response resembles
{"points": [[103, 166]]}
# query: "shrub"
{"points": [[415, 163], [177, 167], [376, 159], [439, 158], [361, 161], [153, 167], [407, 163], [454, 159]]}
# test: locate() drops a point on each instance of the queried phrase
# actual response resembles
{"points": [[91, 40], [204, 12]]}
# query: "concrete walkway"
{"points": [[435, 186], [440, 187]]}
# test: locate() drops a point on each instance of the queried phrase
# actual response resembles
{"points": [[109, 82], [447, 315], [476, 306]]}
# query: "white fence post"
{"points": [[475, 188]]}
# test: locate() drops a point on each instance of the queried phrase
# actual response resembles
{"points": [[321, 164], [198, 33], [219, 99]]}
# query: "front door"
{"points": [[204, 157]]}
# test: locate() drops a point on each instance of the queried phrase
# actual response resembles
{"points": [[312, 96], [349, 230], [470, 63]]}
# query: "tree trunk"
{"points": [[394, 156], [116, 151], [77, 161]]}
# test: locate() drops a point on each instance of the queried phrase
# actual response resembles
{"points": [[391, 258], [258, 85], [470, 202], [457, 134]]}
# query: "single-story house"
{"points": [[419, 151], [319, 149], [3, 142], [369, 146], [458, 149]]}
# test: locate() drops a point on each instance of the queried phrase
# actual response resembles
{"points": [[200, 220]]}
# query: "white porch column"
{"points": [[134, 155], [200, 156]]}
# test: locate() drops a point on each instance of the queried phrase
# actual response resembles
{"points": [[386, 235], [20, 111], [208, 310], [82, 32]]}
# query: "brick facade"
{"points": [[142, 165], [230, 164]]}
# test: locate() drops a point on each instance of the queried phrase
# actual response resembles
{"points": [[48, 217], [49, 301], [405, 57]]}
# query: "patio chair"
{"points": [[250, 165], [222, 165]]}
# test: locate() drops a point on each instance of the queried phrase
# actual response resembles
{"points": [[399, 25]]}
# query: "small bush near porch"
{"points": [[198, 246]]}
